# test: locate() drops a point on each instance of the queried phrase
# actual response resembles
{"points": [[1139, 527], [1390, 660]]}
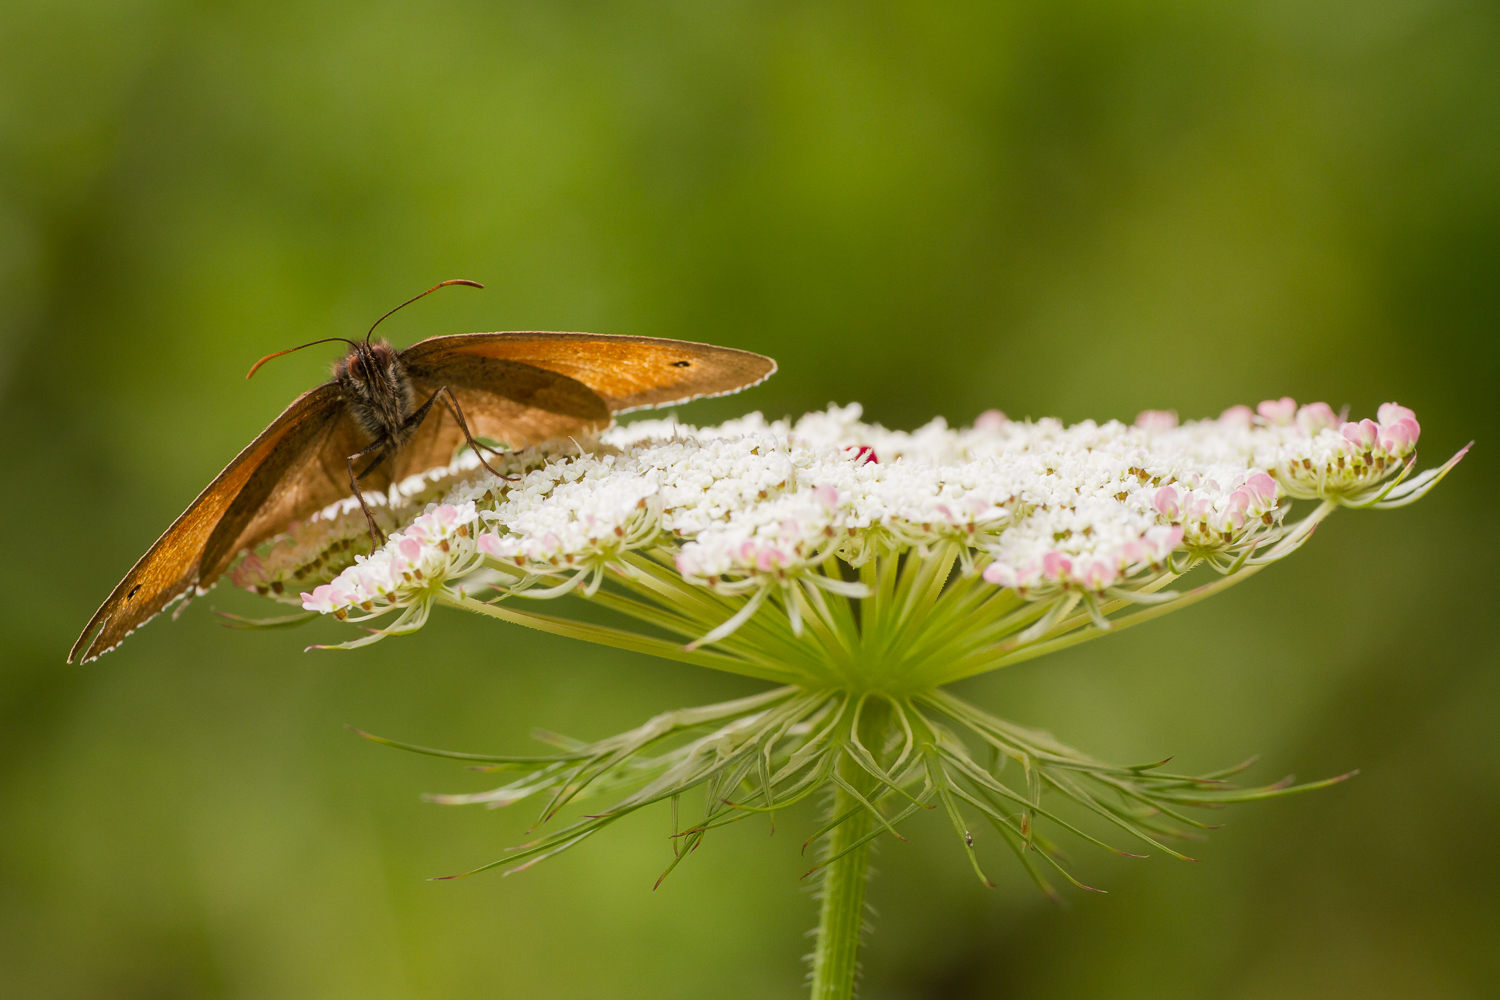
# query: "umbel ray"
{"points": [[388, 414]]}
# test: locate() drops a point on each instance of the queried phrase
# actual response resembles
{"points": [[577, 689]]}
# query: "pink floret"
{"points": [[1315, 417], [1278, 411], [1365, 433]]}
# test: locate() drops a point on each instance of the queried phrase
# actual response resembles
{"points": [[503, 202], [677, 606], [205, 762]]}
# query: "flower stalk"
{"points": [[841, 914]]}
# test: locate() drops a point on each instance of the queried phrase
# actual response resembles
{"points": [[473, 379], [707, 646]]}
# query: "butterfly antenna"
{"points": [[326, 340], [440, 284]]}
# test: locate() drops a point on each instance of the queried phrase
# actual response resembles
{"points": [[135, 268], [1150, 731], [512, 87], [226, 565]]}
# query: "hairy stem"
{"points": [[836, 959]]}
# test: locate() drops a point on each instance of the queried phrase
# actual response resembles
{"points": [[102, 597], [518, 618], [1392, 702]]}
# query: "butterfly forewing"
{"points": [[629, 373], [172, 566]]}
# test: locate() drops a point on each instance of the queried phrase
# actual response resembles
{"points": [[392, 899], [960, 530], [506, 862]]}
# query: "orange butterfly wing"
{"points": [[628, 373], [227, 516]]}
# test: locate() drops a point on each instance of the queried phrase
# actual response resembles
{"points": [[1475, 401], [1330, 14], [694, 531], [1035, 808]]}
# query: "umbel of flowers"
{"points": [[858, 570]]}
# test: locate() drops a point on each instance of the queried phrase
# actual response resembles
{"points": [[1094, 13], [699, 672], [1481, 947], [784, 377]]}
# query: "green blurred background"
{"points": [[1077, 208]]}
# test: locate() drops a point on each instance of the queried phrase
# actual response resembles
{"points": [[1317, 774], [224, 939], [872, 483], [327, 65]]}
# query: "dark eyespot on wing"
{"points": [[133, 591], [682, 364]]}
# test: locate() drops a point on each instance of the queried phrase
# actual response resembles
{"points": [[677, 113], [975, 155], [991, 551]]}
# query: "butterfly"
{"points": [[386, 415]]}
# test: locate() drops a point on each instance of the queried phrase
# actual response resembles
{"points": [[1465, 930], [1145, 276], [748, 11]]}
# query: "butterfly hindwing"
{"points": [[506, 401], [306, 471]]}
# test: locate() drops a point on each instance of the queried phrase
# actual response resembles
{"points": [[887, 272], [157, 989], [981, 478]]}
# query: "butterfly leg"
{"points": [[377, 537], [451, 402]]}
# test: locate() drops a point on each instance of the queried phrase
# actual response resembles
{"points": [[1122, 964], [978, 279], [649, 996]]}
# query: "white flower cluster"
{"points": [[571, 515], [435, 547], [742, 507]]}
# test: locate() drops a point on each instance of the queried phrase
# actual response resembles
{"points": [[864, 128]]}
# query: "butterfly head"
{"points": [[376, 387], [373, 365]]}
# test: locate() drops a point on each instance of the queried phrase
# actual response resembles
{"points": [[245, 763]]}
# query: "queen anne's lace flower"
{"points": [[862, 569]]}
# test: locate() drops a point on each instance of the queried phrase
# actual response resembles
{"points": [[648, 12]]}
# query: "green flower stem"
{"points": [[836, 959]]}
